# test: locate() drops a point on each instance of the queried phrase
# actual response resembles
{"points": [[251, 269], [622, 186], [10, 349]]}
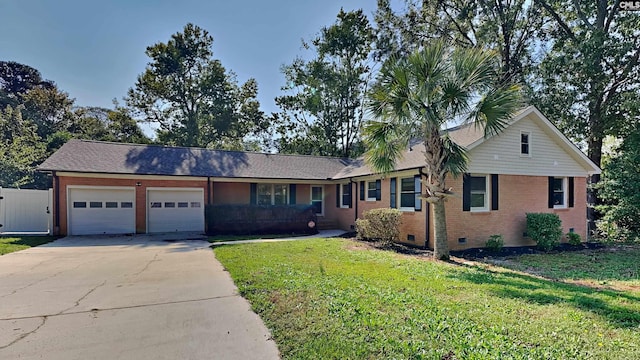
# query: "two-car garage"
{"points": [[112, 210]]}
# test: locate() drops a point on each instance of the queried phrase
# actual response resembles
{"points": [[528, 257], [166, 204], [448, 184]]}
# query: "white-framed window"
{"points": [[479, 192], [407, 193], [559, 192], [345, 195], [317, 199], [272, 194], [371, 191], [525, 143]]}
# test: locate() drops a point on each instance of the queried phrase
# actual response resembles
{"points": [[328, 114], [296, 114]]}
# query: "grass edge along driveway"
{"points": [[11, 244], [335, 299]]}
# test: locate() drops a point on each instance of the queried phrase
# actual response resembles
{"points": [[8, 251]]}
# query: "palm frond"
{"points": [[386, 142], [496, 108], [457, 159]]}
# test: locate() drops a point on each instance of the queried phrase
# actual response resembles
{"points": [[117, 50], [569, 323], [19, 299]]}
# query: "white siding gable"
{"points": [[548, 154]]}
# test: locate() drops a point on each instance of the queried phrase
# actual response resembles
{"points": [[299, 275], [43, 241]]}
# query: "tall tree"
{"points": [[21, 150], [415, 96], [191, 96], [324, 112], [507, 27], [620, 191], [589, 80]]}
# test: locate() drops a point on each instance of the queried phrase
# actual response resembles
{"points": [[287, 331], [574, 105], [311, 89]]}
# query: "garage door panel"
{"points": [[175, 210], [101, 211]]}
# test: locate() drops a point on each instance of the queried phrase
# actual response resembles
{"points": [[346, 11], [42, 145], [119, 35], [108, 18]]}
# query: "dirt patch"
{"points": [[507, 252]]}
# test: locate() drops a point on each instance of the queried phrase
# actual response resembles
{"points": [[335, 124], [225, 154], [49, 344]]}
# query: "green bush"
{"points": [[574, 239], [545, 229], [495, 243], [380, 225]]}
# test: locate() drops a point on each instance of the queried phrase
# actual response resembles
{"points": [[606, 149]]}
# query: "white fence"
{"points": [[26, 211]]}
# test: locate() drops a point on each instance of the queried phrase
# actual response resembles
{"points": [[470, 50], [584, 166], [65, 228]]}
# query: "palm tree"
{"points": [[414, 97]]}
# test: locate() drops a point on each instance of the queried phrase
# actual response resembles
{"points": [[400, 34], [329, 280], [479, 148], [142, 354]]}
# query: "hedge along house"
{"points": [[121, 188]]}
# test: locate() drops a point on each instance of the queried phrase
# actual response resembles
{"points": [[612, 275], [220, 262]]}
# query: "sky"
{"points": [[94, 50]]}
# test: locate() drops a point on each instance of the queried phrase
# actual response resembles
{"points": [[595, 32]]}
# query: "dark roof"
{"points": [[116, 158], [413, 158]]}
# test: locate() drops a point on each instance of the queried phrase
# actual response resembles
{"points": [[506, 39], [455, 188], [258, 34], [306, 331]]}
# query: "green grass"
{"points": [[616, 267], [337, 299], [221, 238], [11, 244]]}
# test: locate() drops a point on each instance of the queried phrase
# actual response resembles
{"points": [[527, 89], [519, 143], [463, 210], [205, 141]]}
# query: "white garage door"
{"points": [[170, 210], [101, 211]]}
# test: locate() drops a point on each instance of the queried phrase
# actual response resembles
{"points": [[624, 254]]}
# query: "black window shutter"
{"points": [[361, 190], [393, 189], [337, 195], [550, 195], [466, 192], [350, 197], [292, 194], [253, 197], [378, 190], [417, 189], [494, 191], [571, 191]]}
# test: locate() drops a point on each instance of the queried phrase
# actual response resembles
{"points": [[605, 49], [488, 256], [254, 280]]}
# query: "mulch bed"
{"points": [[476, 253]]}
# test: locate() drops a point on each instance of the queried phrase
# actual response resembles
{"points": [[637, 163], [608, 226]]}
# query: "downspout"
{"points": [[427, 212], [355, 216], [56, 201], [208, 207]]}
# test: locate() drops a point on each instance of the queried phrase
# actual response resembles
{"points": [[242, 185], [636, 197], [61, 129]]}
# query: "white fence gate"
{"points": [[26, 211]]}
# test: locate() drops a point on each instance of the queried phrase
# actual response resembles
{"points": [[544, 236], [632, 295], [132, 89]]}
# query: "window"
{"points": [[111, 204], [317, 198], [407, 193], [195, 204], [95, 204], [525, 143], [345, 191], [271, 194], [156, 204], [559, 193], [183, 204], [372, 191], [126, 205], [79, 204], [479, 198], [169, 204]]}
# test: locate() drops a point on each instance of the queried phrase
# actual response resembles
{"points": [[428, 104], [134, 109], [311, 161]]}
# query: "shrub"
{"points": [[574, 239], [380, 224], [495, 243], [545, 229]]}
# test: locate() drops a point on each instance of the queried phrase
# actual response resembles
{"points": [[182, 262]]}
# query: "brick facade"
{"points": [[140, 193]]}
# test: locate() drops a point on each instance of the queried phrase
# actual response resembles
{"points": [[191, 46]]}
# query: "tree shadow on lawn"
{"points": [[544, 292]]}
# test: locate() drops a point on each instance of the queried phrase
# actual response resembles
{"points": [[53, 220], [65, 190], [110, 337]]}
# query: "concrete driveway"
{"points": [[125, 298]]}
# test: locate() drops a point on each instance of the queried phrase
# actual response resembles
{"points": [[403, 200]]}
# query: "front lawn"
{"points": [[17, 243], [340, 299], [615, 267], [222, 238]]}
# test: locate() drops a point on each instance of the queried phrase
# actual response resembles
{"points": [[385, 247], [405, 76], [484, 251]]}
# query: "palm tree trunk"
{"points": [[441, 244]]}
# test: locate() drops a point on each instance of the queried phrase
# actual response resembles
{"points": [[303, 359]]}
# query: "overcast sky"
{"points": [[94, 50]]}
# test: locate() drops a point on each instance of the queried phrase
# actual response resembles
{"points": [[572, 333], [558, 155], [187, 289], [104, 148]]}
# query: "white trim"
{"points": [[129, 176], [565, 191], [487, 195], [367, 198], [273, 193], [342, 205], [528, 133], [86, 187], [399, 193], [311, 198]]}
